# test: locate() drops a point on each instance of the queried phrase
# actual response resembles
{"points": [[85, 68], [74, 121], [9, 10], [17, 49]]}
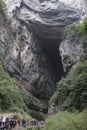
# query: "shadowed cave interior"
{"points": [[51, 49]]}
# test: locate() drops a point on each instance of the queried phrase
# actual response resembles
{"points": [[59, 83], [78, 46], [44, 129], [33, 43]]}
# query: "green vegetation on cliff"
{"points": [[1, 4], [10, 97], [71, 91], [71, 95], [2, 7], [37, 108], [76, 30]]}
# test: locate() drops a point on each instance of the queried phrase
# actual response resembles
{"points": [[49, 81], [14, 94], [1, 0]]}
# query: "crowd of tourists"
{"points": [[11, 123], [7, 123]]}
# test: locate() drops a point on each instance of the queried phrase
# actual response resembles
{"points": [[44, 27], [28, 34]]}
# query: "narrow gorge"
{"points": [[32, 45]]}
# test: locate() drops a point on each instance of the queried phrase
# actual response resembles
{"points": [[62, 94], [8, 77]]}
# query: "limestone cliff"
{"points": [[71, 50], [32, 56]]}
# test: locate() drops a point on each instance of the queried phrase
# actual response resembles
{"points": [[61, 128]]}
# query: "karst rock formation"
{"points": [[30, 51]]}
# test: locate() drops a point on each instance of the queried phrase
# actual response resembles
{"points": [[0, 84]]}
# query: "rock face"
{"points": [[71, 50], [28, 63], [47, 18], [4, 36], [37, 27]]}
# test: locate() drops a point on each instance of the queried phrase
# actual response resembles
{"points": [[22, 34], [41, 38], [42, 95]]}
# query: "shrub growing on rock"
{"points": [[71, 91], [10, 96]]}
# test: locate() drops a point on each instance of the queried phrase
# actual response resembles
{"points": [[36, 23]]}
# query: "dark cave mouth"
{"points": [[51, 49], [50, 40]]}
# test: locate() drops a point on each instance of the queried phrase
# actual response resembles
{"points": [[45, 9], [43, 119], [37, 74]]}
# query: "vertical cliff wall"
{"points": [[32, 55]]}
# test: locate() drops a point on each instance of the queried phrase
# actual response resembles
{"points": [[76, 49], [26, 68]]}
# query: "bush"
{"points": [[10, 96], [72, 30], [76, 30], [1, 3], [67, 121], [71, 91], [83, 29], [2, 7]]}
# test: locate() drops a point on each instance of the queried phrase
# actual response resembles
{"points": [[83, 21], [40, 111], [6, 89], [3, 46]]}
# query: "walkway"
{"points": [[29, 128]]}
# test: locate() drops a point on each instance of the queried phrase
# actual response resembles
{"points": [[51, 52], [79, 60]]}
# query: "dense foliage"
{"points": [[37, 108], [76, 30], [72, 90], [67, 121], [10, 98], [83, 28]]}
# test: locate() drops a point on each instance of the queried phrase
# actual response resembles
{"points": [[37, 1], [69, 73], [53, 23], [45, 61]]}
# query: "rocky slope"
{"points": [[33, 53]]}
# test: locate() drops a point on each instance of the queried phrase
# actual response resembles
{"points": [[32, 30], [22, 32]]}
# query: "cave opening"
{"points": [[50, 38], [51, 49]]}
